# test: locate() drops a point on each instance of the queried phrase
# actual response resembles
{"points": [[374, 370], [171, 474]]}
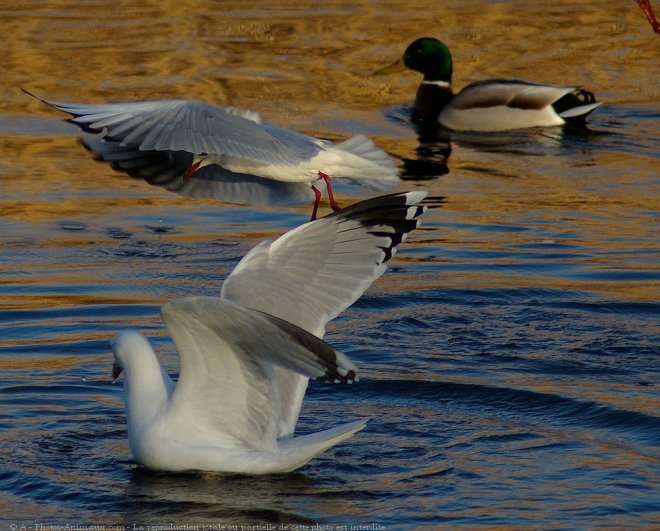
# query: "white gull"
{"points": [[200, 150], [246, 356]]}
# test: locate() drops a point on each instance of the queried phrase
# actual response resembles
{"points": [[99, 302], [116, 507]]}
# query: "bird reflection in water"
{"points": [[430, 162]]}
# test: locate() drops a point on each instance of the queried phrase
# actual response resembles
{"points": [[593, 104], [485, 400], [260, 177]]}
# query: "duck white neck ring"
{"points": [[437, 83]]}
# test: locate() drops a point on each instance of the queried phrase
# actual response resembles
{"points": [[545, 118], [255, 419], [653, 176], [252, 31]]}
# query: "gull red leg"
{"points": [[317, 202], [331, 197], [645, 5]]}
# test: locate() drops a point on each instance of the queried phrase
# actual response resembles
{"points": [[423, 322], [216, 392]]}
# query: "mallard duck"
{"points": [[491, 105], [201, 150], [246, 356]]}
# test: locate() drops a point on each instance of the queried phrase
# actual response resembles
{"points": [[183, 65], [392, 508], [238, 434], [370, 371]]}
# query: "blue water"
{"points": [[489, 406], [509, 356]]}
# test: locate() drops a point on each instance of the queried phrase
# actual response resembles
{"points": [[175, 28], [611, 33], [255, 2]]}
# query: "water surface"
{"points": [[509, 356]]}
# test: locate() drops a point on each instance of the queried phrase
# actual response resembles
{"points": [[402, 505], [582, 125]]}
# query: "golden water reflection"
{"points": [[542, 210]]}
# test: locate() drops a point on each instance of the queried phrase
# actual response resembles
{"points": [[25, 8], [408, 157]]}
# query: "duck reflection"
{"points": [[430, 161], [435, 144]]}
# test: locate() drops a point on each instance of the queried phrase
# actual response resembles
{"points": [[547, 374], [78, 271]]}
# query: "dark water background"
{"points": [[509, 356]]}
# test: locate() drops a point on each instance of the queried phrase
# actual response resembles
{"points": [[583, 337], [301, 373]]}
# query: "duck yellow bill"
{"points": [[398, 66]]}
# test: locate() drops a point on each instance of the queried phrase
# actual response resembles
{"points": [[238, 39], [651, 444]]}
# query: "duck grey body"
{"points": [[486, 106]]}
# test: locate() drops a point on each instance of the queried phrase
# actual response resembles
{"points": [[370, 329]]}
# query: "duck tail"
{"points": [[576, 105], [359, 161]]}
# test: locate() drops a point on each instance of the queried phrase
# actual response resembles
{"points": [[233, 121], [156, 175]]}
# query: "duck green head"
{"points": [[426, 55]]}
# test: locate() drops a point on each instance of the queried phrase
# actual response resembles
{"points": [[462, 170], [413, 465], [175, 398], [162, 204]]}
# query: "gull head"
{"points": [[125, 346]]}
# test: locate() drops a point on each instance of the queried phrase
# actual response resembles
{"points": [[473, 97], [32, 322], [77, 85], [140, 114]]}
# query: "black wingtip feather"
{"points": [[400, 211], [334, 377], [379, 203], [326, 355]]}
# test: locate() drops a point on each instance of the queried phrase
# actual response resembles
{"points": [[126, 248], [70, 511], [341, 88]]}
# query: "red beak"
{"points": [[190, 170], [116, 371]]}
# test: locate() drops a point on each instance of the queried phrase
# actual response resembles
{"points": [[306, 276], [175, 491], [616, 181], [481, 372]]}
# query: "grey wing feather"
{"points": [[195, 127], [314, 272], [166, 169], [228, 357], [508, 92], [216, 182]]}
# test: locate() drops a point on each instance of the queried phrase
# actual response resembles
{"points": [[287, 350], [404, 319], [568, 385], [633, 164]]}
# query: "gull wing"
{"points": [[191, 126], [166, 169], [227, 386], [311, 274]]}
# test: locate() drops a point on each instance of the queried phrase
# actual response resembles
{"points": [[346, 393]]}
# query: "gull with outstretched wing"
{"points": [[201, 150], [246, 357]]}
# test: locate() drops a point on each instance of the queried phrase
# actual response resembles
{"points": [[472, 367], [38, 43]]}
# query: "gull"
{"points": [[200, 150], [246, 356]]}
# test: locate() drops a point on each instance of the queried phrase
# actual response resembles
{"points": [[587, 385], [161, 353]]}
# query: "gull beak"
{"points": [[116, 371], [398, 66]]}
